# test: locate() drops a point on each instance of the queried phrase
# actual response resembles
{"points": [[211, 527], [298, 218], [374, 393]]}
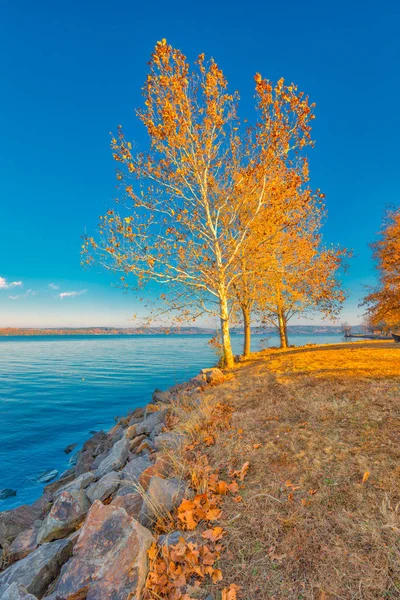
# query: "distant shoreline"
{"points": [[97, 331]]}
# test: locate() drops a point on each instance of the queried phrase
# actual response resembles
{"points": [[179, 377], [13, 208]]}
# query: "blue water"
{"points": [[55, 390]]}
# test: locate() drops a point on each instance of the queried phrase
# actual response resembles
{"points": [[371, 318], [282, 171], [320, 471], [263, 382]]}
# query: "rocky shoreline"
{"points": [[88, 535]]}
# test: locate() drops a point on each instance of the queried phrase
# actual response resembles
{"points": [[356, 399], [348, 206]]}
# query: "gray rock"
{"points": [[133, 470], [12, 522], [80, 483], [168, 440], [37, 570], [132, 503], [213, 375], [103, 488], [115, 459], [69, 448], [160, 396], [17, 591], [110, 558], [24, 544], [100, 442], [150, 422], [74, 458], [47, 476], [163, 495], [171, 539], [7, 493], [64, 517], [158, 429]]}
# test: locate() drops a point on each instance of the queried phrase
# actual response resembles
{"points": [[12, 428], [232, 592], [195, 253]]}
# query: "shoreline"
{"points": [[111, 469]]}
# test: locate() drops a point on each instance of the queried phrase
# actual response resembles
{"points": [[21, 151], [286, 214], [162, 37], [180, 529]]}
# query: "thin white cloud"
{"points": [[29, 292], [71, 294], [5, 285], [54, 286]]}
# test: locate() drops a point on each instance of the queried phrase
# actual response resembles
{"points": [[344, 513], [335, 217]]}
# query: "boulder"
{"points": [[69, 448], [17, 591], [213, 375], [199, 380], [160, 396], [97, 444], [136, 415], [37, 570], [52, 488], [12, 522], [132, 503], [115, 459], [168, 440], [80, 483], [130, 433], [136, 442], [163, 495], [24, 544], [47, 476], [150, 422], [110, 557], [102, 489], [7, 493], [134, 468], [64, 517]]}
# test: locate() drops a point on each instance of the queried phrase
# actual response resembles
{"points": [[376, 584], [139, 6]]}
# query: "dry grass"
{"points": [[308, 526]]}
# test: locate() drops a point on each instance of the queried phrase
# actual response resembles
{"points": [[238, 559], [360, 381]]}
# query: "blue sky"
{"points": [[72, 71]]}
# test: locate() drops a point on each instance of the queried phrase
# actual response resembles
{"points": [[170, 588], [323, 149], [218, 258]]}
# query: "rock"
{"points": [[158, 468], [213, 375], [163, 496], [73, 461], [69, 448], [134, 468], [115, 459], [116, 433], [24, 544], [110, 557], [148, 424], [136, 416], [103, 488], [132, 503], [158, 429], [171, 539], [64, 517], [52, 488], [80, 483], [199, 380], [100, 442], [47, 476], [146, 447], [37, 570], [160, 396], [17, 591], [13, 522], [168, 440], [136, 442], [130, 433], [7, 493]]}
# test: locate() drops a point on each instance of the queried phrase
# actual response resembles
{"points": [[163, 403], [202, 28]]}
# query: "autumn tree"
{"points": [[384, 302], [188, 204], [304, 275], [283, 221]]}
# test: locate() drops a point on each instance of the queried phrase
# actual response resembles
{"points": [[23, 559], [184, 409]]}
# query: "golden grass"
{"points": [[308, 526]]}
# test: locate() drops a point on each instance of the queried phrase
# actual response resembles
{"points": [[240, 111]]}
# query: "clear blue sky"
{"points": [[71, 71]]}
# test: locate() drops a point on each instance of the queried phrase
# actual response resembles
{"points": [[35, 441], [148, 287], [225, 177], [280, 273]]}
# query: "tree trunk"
{"points": [[247, 332], [225, 335], [282, 329]]}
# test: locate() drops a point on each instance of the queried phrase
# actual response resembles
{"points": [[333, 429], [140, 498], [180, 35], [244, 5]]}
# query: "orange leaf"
{"points": [[213, 534], [256, 446], [365, 476]]}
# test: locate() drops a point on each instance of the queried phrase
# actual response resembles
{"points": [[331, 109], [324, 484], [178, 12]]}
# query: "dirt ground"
{"points": [[319, 515]]}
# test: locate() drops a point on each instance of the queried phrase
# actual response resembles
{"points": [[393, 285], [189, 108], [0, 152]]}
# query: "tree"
{"points": [[304, 277], [190, 201], [384, 302]]}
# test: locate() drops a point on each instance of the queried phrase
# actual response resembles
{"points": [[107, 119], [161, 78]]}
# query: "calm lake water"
{"points": [[55, 390]]}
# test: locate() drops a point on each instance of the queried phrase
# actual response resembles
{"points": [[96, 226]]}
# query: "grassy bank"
{"points": [[319, 511]]}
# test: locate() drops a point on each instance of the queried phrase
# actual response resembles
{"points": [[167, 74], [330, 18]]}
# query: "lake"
{"points": [[54, 390]]}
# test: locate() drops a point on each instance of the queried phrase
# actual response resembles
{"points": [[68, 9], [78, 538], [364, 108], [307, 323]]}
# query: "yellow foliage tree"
{"points": [[384, 302], [190, 202]]}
